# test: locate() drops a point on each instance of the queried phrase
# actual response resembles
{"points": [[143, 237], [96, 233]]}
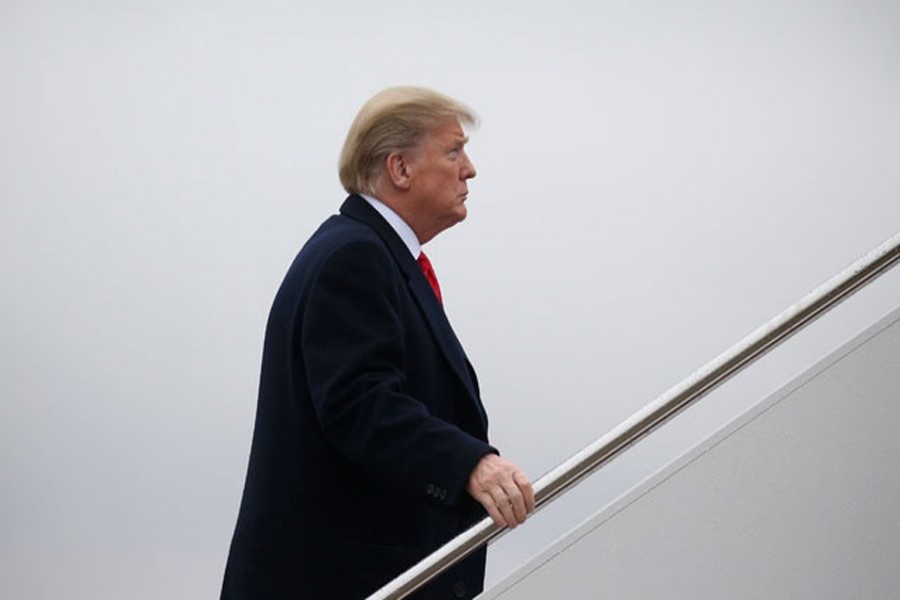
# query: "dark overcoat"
{"points": [[368, 424]]}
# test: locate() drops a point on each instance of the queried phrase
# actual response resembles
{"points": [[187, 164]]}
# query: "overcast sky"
{"points": [[656, 179]]}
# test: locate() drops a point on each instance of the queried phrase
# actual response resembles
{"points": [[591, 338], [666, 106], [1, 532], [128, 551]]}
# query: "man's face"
{"points": [[438, 175]]}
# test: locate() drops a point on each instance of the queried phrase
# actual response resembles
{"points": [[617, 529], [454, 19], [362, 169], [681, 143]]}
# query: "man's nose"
{"points": [[468, 170]]}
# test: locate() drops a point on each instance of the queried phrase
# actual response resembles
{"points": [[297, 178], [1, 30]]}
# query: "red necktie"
{"points": [[428, 271]]}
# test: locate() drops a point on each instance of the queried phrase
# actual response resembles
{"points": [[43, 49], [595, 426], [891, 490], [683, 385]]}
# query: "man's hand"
{"points": [[502, 489]]}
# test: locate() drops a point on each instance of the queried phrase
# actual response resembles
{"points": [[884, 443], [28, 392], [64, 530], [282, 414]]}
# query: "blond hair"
{"points": [[397, 119]]}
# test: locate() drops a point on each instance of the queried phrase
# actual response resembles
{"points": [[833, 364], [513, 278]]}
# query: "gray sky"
{"points": [[656, 179]]}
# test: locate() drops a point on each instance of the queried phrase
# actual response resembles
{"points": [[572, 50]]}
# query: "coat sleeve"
{"points": [[352, 338]]}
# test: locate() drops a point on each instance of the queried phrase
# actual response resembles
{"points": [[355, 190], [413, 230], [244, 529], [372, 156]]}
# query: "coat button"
{"points": [[459, 589]]}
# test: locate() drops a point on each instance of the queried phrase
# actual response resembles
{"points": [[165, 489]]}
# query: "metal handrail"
{"points": [[663, 408]]}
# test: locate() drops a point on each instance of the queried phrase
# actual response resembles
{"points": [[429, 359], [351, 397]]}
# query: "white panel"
{"points": [[798, 498]]}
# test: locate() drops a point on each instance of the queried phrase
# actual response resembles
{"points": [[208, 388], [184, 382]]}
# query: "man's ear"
{"points": [[397, 168]]}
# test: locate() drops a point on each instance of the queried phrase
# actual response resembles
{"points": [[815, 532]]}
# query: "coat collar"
{"points": [[358, 209]]}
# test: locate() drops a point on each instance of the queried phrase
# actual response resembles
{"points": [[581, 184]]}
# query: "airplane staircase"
{"points": [[799, 497]]}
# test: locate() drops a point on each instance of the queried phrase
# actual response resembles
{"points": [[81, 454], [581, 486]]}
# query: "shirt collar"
{"points": [[397, 224]]}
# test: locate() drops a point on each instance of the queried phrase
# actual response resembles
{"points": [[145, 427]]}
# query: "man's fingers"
{"points": [[503, 505], [527, 491], [515, 500], [487, 501], [520, 493], [503, 489], [509, 513]]}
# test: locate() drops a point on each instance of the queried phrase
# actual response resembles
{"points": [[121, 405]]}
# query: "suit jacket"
{"points": [[368, 425]]}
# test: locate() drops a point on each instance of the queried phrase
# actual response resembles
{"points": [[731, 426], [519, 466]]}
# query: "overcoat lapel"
{"points": [[357, 208]]}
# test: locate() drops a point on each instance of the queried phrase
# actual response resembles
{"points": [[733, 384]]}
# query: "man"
{"points": [[370, 446]]}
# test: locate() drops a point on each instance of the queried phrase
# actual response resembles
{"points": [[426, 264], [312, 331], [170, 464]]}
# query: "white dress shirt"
{"points": [[397, 224]]}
